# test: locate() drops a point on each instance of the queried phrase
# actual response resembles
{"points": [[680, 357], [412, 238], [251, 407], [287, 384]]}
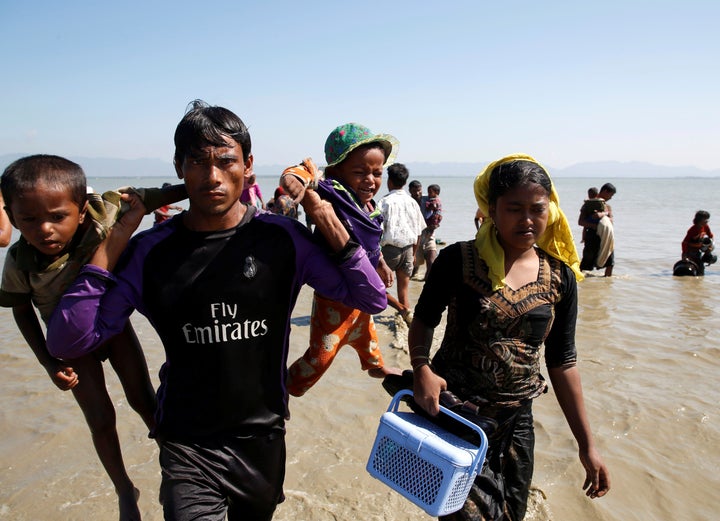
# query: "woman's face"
{"points": [[362, 171], [521, 216]]}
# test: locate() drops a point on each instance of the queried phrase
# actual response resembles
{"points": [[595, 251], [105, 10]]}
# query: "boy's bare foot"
{"points": [[128, 506], [382, 372]]}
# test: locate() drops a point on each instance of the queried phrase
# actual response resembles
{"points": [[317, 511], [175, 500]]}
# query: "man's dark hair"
{"points": [[204, 125], [608, 187], [398, 174], [27, 172], [414, 184]]}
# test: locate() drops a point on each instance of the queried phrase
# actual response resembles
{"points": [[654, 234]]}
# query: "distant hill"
{"points": [[598, 169], [112, 167]]}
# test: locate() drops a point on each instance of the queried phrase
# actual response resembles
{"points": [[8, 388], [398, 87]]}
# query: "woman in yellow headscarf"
{"points": [[508, 292]]}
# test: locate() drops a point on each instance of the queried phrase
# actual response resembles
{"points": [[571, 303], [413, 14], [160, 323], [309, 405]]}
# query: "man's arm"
{"points": [[359, 285], [586, 223], [324, 217], [109, 251], [346, 275], [77, 325], [154, 198]]}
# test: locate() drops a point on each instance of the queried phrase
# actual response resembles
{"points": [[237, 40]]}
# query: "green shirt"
{"points": [[29, 277]]}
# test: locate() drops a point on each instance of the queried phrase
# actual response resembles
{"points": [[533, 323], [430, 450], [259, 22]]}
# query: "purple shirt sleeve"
{"points": [[359, 285], [77, 326], [349, 278], [98, 304]]}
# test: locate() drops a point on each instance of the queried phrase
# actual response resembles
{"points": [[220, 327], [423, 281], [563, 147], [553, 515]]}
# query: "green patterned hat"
{"points": [[346, 138]]}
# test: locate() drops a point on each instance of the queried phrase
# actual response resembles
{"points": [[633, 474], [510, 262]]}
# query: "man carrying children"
{"points": [[220, 297], [591, 214]]}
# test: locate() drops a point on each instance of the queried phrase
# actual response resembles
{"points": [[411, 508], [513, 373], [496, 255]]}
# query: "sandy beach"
{"points": [[50, 470]]}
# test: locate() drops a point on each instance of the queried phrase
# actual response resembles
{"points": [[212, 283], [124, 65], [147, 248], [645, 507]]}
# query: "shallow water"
{"points": [[648, 357]]}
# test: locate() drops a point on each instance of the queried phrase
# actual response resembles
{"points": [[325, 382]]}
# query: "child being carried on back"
{"points": [[61, 226]]}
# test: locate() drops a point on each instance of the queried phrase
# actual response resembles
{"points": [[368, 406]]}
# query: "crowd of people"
{"points": [[211, 282]]}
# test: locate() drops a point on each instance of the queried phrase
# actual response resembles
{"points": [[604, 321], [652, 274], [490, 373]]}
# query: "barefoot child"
{"points": [[61, 226], [355, 161]]}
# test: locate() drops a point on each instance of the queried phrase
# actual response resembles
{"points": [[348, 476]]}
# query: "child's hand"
{"points": [[385, 273], [295, 180], [63, 376], [293, 186], [133, 212]]}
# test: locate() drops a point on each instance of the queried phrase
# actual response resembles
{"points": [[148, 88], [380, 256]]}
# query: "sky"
{"points": [[465, 81]]}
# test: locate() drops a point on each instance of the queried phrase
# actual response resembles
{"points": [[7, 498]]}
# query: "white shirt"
{"points": [[403, 220]]}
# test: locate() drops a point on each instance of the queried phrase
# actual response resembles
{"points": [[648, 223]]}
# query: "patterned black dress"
{"points": [[490, 355]]}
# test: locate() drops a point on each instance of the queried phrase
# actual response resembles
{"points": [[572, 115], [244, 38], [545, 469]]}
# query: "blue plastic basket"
{"points": [[426, 464]]}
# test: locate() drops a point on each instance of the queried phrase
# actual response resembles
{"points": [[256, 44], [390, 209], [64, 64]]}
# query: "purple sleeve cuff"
{"points": [[363, 289], [72, 330]]}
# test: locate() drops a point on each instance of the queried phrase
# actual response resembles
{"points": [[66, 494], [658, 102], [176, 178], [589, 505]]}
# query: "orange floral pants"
{"points": [[333, 325]]}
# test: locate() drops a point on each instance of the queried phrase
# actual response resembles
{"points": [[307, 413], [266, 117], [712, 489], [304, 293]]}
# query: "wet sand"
{"points": [[649, 373]]}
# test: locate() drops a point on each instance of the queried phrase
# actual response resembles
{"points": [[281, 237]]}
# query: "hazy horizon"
{"points": [[116, 167]]}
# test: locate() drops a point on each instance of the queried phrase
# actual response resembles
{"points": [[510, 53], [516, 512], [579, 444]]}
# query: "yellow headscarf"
{"points": [[557, 240]]}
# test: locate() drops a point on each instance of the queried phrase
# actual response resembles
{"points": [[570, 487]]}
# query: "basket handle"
{"points": [[480, 456]]}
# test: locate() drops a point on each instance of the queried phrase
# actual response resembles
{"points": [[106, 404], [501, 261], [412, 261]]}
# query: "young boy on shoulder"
{"points": [[61, 226], [353, 176]]}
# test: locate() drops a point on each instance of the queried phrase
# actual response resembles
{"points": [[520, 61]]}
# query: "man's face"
{"points": [[214, 179], [416, 191], [606, 194]]}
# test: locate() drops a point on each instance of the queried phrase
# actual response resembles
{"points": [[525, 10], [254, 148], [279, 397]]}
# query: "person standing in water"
{"points": [[509, 292]]}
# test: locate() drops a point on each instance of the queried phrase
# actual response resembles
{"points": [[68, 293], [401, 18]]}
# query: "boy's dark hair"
{"points": [[608, 187], [24, 175], [414, 184], [593, 192], [398, 174], [204, 125], [701, 215], [434, 188], [507, 176]]}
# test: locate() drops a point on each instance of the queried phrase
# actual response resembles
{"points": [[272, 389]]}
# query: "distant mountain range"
{"points": [[112, 167]]}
